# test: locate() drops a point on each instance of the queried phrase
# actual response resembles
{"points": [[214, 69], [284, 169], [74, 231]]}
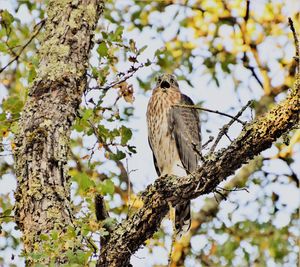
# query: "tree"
{"points": [[59, 230]]}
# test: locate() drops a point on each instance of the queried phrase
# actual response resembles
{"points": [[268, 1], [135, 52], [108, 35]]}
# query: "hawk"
{"points": [[174, 137]]}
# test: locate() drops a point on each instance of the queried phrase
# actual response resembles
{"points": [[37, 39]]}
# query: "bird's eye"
{"points": [[172, 80], [159, 80]]}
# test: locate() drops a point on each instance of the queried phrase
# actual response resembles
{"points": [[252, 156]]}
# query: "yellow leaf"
{"points": [[287, 151], [94, 225], [177, 53], [136, 202], [5, 133], [5, 82], [213, 249], [85, 157], [13, 146]]}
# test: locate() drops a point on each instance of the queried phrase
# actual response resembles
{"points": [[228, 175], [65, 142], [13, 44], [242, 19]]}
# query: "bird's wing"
{"points": [[184, 125], [154, 159]]}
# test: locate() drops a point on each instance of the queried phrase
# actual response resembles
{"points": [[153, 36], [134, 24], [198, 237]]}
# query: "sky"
{"points": [[214, 98]]}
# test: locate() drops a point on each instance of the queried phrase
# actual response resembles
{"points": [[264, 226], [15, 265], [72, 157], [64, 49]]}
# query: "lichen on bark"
{"points": [[42, 143]]}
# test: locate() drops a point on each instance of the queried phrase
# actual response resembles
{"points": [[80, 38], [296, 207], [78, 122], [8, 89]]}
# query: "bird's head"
{"points": [[166, 81]]}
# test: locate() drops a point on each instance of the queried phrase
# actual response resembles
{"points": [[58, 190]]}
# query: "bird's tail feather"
{"points": [[183, 217]]}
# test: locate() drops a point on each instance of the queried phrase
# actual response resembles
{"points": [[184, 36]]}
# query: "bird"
{"points": [[174, 137]]}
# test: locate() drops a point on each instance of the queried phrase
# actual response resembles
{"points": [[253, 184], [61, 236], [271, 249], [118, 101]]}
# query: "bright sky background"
{"points": [[222, 99]]}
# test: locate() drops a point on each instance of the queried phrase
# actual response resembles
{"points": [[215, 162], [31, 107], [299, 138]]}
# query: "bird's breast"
{"points": [[162, 142]]}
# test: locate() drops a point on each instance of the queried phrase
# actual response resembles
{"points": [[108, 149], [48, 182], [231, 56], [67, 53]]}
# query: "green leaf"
{"points": [[14, 127], [3, 47], [117, 36], [109, 223], [81, 256], [13, 104], [126, 135], [118, 156], [54, 235], [104, 132], [31, 74], [132, 45], [7, 212], [107, 187], [95, 72], [87, 114], [84, 181], [78, 126], [2, 116], [104, 35], [132, 149], [148, 62], [44, 237], [143, 49], [102, 49], [6, 18]]}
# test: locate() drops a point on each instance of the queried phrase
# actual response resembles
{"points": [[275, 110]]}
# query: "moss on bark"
{"points": [[42, 143]]}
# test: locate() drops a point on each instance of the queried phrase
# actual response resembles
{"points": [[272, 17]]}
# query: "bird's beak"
{"points": [[164, 86]]}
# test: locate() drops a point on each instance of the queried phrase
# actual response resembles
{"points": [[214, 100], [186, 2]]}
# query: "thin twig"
{"points": [[245, 58], [197, 151], [210, 139], [296, 40], [246, 17], [128, 184], [6, 216], [209, 110], [215, 197], [129, 74], [221, 194], [246, 64], [234, 189], [225, 128], [194, 7], [6, 155], [15, 58], [92, 153], [226, 134], [186, 170]]}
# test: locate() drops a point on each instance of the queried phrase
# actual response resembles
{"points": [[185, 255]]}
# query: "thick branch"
{"points": [[254, 138]]}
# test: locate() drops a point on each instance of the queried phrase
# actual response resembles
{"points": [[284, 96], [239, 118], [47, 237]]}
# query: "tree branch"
{"points": [[226, 127], [212, 111], [296, 41], [254, 138], [16, 57]]}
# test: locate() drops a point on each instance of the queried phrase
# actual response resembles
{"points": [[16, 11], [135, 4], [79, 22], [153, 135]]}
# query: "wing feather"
{"points": [[184, 124], [154, 158]]}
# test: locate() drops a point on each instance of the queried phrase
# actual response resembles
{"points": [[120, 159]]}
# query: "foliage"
{"points": [[225, 43]]}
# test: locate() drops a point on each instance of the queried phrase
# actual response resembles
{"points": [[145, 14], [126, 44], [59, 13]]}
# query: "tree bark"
{"points": [[41, 153], [255, 137]]}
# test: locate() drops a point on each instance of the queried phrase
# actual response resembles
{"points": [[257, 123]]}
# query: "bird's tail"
{"points": [[183, 217]]}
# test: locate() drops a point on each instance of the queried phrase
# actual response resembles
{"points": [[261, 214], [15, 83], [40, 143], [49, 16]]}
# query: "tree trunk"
{"points": [[41, 153]]}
